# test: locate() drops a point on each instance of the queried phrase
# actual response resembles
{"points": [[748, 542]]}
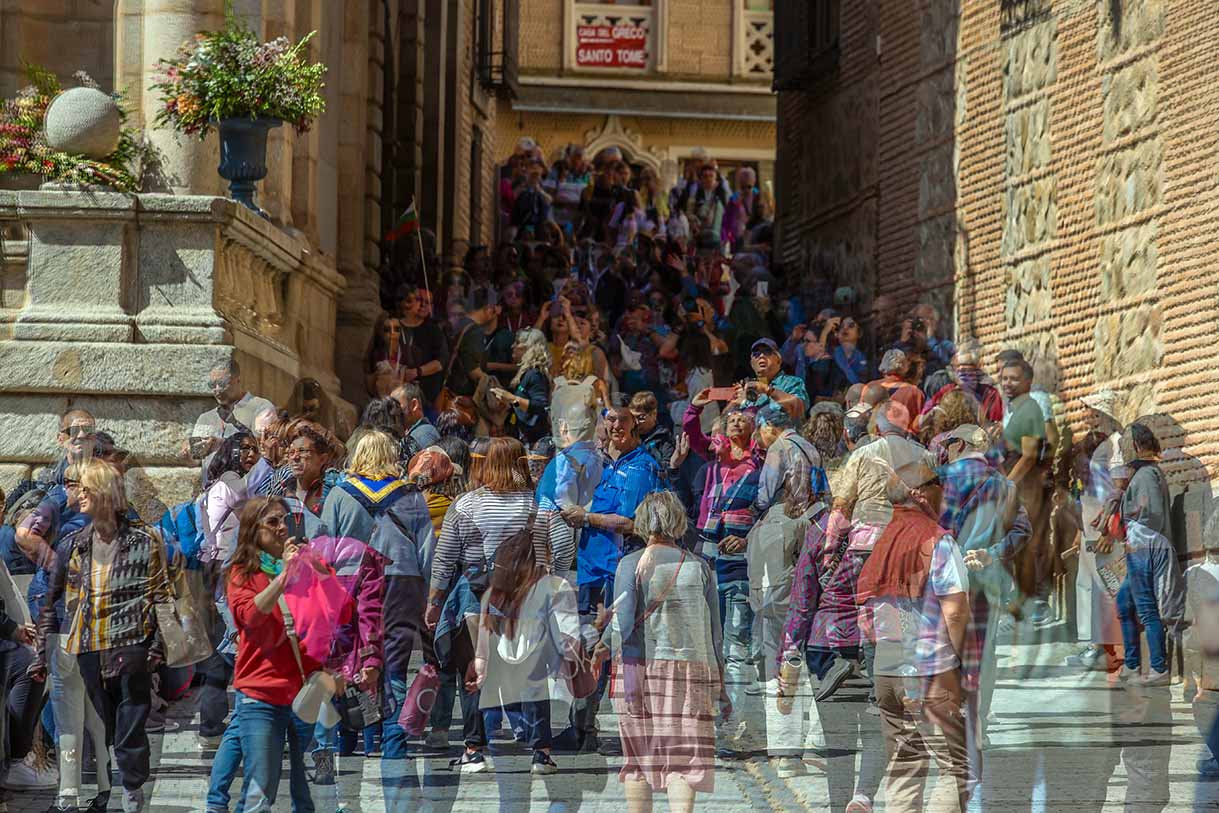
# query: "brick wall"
{"points": [[1048, 170]]}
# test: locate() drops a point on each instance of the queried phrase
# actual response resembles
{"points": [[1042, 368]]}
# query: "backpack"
{"points": [[182, 531], [387, 529]]}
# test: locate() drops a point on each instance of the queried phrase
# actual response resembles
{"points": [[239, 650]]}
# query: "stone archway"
{"points": [[614, 134]]}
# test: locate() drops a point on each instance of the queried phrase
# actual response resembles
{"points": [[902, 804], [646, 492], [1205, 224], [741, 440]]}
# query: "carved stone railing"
{"points": [[123, 303], [754, 42]]}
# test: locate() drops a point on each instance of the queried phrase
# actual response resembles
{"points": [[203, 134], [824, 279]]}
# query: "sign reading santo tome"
{"points": [[612, 46]]}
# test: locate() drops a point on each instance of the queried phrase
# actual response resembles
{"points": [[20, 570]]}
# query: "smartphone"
{"points": [[722, 393]]}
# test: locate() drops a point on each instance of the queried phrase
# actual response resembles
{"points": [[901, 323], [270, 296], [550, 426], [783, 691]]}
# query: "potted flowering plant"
{"points": [[24, 147], [229, 80]]}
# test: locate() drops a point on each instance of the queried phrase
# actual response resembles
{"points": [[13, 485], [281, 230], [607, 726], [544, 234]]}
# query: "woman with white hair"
{"points": [[529, 396], [668, 663]]}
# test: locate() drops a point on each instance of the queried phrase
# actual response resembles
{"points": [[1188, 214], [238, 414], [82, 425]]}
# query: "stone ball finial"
{"points": [[84, 121]]}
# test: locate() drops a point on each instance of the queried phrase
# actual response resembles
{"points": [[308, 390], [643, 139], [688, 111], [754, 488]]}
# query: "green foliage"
{"points": [[230, 74], [24, 148]]}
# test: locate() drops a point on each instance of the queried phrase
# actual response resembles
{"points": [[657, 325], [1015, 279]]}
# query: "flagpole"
{"points": [[423, 262]]}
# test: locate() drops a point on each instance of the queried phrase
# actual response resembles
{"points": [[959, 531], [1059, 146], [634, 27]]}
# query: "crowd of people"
{"points": [[617, 469]]}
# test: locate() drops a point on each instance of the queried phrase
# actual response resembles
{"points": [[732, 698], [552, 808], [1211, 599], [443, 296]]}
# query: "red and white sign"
{"points": [[612, 46]]}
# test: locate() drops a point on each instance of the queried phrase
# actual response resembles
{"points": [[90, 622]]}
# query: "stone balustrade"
{"points": [[122, 304]]}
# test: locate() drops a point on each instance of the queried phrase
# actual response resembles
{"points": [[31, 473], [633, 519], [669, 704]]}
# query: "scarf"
{"points": [[270, 565], [900, 563]]}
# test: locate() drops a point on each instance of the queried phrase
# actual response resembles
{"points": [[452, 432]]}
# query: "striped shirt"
{"points": [[479, 522]]}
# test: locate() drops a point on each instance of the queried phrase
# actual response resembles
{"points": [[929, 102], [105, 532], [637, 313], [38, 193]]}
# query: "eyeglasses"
{"points": [[79, 431], [71, 485]]}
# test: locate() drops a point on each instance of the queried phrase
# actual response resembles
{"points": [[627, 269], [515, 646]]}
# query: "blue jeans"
{"points": [[737, 618], [225, 766], [264, 729], [1137, 604]]}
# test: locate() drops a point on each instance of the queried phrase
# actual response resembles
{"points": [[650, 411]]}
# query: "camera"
{"points": [[751, 391]]}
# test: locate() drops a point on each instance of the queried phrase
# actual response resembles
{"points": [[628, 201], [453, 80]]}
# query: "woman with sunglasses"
{"points": [[267, 675], [114, 576]]}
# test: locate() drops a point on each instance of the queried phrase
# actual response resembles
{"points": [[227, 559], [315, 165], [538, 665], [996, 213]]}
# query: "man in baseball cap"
{"points": [[772, 384]]}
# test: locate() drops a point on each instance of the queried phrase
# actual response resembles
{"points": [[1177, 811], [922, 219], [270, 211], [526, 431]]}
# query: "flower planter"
{"points": [[243, 156]]}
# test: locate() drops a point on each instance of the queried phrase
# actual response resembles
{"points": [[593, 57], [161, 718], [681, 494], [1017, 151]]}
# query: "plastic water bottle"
{"points": [[789, 681]]}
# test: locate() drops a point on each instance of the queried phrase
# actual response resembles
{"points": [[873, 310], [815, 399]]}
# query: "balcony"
{"points": [[754, 40], [613, 38]]}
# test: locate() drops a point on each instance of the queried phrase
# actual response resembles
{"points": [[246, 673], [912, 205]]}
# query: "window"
{"points": [[806, 41], [495, 42]]}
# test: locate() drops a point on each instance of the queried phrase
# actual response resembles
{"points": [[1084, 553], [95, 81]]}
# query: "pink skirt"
{"points": [[666, 715]]}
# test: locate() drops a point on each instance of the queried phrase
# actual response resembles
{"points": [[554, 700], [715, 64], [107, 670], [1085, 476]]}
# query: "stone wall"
{"points": [[1074, 211]]}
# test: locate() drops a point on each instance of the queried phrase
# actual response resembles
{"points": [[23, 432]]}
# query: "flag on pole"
{"points": [[408, 223]]}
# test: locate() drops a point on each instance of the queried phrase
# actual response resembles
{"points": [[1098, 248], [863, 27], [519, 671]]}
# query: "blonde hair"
{"points": [[537, 353], [661, 514], [375, 456], [103, 480]]}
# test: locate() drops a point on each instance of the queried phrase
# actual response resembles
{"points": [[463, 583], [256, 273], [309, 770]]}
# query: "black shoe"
{"points": [[543, 765], [838, 674], [610, 748], [99, 803], [590, 743]]}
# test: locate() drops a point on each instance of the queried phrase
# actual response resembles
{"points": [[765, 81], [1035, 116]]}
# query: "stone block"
{"points": [[1129, 181], [1127, 24], [1131, 98], [939, 23], [1030, 215], [1030, 60], [1128, 261], [1030, 298], [1027, 133], [1128, 342], [934, 264], [938, 180], [936, 100]]}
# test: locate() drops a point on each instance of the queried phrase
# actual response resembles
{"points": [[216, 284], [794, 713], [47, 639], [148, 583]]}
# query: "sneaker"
{"points": [[323, 767], [832, 682], [469, 762], [206, 743], [163, 726], [1042, 616], [98, 803], [789, 767], [611, 747], [1208, 768], [727, 753], [133, 800], [873, 708], [769, 688], [543, 765], [1126, 673], [859, 804], [24, 776], [1087, 658], [437, 740], [1154, 678]]}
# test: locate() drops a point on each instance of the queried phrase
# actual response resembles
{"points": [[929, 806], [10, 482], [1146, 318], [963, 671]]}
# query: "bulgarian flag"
{"points": [[406, 225]]}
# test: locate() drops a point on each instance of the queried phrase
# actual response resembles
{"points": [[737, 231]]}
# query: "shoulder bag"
{"points": [[447, 396]]}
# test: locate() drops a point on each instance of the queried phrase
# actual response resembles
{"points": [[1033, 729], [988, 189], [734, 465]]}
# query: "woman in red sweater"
{"points": [[267, 675]]}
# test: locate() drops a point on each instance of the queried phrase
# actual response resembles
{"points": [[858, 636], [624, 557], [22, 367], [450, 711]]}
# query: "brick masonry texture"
{"points": [[1046, 170]]}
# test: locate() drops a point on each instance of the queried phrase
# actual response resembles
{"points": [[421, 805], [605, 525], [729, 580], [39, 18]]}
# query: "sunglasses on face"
{"points": [[79, 431]]}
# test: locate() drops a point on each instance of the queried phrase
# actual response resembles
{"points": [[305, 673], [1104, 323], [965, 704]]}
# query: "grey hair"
{"points": [[1210, 532], [892, 361], [661, 514], [896, 491]]}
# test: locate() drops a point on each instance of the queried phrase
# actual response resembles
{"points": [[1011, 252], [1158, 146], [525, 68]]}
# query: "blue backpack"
{"points": [[182, 532]]}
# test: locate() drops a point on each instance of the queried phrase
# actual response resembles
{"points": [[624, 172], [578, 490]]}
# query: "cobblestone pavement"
{"points": [[1059, 742]]}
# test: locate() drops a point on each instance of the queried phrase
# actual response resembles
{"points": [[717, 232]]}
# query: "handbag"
{"points": [[446, 397], [312, 703], [420, 697], [357, 708], [185, 632]]}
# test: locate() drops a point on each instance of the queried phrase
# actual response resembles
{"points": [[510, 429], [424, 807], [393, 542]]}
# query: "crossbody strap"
{"points": [[664, 594], [290, 629], [456, 352]]}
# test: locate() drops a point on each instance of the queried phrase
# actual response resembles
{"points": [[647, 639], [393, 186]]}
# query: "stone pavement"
{"points": [[1059, 742]]}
